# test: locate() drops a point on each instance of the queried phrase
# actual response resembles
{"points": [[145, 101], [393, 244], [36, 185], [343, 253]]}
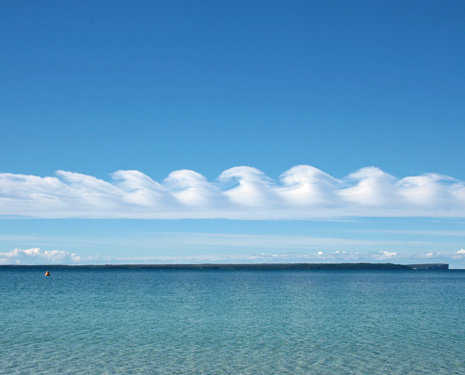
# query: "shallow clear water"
{"points": [[231, 322]]}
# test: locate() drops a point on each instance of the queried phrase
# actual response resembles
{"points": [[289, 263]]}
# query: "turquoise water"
{"points": [[231, 322]]}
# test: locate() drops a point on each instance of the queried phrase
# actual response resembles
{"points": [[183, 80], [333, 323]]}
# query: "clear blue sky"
{"points": [[96, 87]]}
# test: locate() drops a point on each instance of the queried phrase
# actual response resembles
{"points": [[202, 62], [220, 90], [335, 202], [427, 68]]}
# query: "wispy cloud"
{"points": [[276, 242], [428, 233], [302, 192]]}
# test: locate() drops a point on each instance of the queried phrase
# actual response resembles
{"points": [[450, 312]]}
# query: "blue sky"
{"points": [[154, 87]]}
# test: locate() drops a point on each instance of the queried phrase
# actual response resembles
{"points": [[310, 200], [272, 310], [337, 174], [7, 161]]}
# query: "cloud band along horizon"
{"points": [[33, 256], [302, 192]]}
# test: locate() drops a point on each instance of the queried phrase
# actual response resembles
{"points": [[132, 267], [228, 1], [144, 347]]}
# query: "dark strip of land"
{"points": [[249, 266]]}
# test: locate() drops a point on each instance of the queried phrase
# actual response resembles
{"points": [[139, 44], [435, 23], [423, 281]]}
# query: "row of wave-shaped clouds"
{"points": [[238, 193]]}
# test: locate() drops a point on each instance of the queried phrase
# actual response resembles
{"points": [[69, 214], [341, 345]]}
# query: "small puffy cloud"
{"points": [[386, 255], [461, 252], [38, 256], [243, 192], [433, 254]]}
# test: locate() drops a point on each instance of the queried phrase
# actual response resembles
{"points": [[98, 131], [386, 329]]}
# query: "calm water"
{"points": [[232, 322]]}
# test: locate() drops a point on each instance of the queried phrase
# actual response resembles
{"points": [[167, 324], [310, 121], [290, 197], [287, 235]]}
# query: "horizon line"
{"points": [[251, 266]]}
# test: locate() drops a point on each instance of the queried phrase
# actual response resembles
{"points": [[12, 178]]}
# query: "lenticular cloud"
{"points": [[302, 192]]}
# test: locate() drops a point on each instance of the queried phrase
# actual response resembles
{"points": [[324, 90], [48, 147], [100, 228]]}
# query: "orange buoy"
{"points": [[47, 274]]}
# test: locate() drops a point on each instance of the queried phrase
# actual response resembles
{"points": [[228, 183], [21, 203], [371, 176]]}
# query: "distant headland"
{"points": [[252, 266]]}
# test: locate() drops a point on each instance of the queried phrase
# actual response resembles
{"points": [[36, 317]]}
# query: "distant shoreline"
{"points": [[246, 266]]}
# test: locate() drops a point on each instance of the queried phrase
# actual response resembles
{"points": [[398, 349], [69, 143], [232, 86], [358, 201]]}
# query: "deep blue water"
{"points": [[231, 322]]}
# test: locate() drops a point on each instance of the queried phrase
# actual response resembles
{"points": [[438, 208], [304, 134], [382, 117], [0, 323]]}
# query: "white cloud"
{"points": [[38, 256], [254, 188], [302, 192], [191, 188], [386, 255], [373, 188], [307, 185], [435, 254], [268, 255]]}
